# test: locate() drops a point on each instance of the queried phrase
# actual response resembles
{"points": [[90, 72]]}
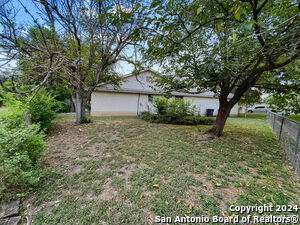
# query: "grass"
{"points": [[124, 170], [294, 117], [263, 116], [253, 115]]}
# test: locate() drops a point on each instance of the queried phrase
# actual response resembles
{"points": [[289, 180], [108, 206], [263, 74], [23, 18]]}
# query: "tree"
{"points": [[283, 85], [222, 46], [250, 97], [79, 42], [287, 103]]}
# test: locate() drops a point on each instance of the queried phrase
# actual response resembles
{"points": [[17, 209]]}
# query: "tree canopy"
{"points": [[222, 46], [79, 41]]}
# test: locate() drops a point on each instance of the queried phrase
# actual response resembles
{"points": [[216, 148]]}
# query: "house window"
{"points": [[178, 97], [150, 98]]}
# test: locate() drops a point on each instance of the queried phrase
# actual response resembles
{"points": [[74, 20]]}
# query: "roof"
{"points": [[141, 89]]}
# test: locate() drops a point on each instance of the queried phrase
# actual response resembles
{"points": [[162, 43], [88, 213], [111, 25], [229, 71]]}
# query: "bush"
{"points": [[85, 119], [14, 114], [197, 120], [175, 109], [43, 108], [186, 120], [175, 112], [20, 148]]}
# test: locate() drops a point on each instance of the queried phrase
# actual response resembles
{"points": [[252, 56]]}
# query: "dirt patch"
{"points": [[199, 137], [108, 192], [74, 170], [126, 172], [103, 169], [149, 215], [245, 164], [230, 194], [96, 150]]}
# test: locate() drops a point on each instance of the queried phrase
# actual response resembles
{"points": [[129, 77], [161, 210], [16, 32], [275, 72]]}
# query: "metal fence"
{"points": [[288, 134]]}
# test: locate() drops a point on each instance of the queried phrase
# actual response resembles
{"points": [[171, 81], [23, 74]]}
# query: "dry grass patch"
{"points": [[124, 170]]}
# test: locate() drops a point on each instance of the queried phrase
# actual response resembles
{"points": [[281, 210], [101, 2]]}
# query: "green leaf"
{"points": [[101, 18], [171, 2], [199, 10], [219, 27], [137, 6], [233, 37], [253, 21], [237, 16]]}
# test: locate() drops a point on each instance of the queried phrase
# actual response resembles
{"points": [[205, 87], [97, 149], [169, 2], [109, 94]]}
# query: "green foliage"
{"points": [[173, 108], [175, 112], [15, 113], [20, 148], [42, 51], [201, 45], [85, 119], [186, 120], [250, 97], [286, 102], [43, 108], [60, 93], [198, 120], [283, 87]]}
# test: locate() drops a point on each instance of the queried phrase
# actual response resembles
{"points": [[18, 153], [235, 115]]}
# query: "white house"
{"points": [[135, 95]]}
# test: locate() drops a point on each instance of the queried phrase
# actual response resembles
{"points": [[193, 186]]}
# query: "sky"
{"points": [[123, 68]]}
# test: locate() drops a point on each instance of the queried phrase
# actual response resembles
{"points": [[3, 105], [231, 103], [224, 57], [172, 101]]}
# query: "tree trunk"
{"points": [[219, 124], [80, 105], [72, 105]]}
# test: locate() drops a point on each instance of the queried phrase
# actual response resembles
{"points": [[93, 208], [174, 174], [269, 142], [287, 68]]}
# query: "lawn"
{"points": [[124, 170], [294, 117]]}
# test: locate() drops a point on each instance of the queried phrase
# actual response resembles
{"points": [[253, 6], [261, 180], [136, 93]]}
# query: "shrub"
{"points": [[61, 93], [175, 109], [14, 115], [197, 120], [175, 112], [85, 119], [161, 105], [43, 108], [186, 120], [20, 148]]}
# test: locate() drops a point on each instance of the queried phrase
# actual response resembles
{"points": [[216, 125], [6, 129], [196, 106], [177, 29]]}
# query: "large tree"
{"points": [[222, 46], [79, 42]]}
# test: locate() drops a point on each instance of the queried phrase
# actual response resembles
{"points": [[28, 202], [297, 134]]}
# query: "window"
{"points": [[148, 79], [178, 97], [150, 98], [260, 107]]}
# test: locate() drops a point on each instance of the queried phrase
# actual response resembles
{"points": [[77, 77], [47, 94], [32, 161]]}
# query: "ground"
{"points": [[295, 117], [125, 170]]}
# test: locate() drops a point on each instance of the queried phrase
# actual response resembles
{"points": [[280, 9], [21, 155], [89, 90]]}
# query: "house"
{"points": [[135, 96]]}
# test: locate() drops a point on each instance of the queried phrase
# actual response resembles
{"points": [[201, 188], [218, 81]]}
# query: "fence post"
{"points": [[281, 128], [297, 143], [274, 121]]}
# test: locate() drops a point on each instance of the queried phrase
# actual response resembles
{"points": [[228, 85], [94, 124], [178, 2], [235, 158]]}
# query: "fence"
{"points": [[288, 134]]}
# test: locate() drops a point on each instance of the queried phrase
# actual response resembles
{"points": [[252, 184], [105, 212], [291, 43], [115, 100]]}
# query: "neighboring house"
{"points": [[135, 96]]}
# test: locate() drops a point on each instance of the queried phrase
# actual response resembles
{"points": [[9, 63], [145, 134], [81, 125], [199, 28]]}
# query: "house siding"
{"points": [[113, 104], [132, 104]]}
